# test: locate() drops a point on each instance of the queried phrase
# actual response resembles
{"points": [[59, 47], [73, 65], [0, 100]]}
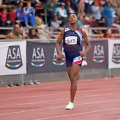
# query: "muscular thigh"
{"points": [[73, 71]]}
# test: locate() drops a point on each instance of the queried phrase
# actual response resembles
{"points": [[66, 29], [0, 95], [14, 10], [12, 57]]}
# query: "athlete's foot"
{"points": [[70, 106]]}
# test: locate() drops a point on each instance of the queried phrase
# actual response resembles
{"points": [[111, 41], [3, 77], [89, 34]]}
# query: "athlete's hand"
{"points": [[59, 57], [82, 54]]}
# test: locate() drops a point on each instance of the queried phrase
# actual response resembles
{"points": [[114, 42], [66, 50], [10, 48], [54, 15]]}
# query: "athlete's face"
{"points": [[73, 18]]}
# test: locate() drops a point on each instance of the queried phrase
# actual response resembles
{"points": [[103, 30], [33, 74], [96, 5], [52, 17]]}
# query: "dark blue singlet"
{"points": [[72, 45]]}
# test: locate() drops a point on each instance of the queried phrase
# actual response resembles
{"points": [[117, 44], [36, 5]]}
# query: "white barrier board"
{"points": [[113, 53], [12, 58]]}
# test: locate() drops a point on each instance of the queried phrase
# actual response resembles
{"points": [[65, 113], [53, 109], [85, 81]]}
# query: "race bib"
{"points": [[71, 40]]}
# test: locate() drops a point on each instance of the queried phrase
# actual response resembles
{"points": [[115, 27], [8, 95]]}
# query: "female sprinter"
{"points": [[72, 38]]}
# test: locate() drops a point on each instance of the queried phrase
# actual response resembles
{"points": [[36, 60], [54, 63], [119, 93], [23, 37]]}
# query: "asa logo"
{"points": [[98, 55], [58, 63], [14, 60], [116, 53], [38, 57]]}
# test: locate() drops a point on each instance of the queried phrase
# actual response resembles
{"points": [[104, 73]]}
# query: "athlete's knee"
{"points": [[73, 79], [74, 75]]}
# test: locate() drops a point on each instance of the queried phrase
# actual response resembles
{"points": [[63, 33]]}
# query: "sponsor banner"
{"points": [[97, 57], [41, 58], [114, 54], [13, 58]]}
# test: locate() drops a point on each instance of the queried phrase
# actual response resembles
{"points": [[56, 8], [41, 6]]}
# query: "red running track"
{"points": [[95, 100]]}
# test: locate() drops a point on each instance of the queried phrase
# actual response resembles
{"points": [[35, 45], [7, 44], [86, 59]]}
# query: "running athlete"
{"points": [[72, 38]]}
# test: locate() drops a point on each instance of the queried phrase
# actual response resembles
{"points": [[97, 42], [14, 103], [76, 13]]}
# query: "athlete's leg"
{"points": [[74, 77], [73, 73]]}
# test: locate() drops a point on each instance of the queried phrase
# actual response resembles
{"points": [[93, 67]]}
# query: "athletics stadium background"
{"points": [[22, 61]]}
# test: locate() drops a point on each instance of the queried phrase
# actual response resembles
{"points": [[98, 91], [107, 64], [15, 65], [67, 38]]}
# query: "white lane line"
{"points": [[97, 95], [81, 91], [83, 83], [61, 116], [29, 97], [97, 102], [56, 85]]}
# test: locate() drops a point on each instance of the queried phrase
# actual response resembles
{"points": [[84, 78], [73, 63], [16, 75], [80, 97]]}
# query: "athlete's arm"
{"points": [[60, 38], [82, 53]]}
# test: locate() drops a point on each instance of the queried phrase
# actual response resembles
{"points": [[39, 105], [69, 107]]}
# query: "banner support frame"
{"points": [[22, 79], [110, 73]]}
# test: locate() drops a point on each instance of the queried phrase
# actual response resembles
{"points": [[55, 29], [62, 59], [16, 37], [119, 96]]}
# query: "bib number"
{"points": [[71, 40]]}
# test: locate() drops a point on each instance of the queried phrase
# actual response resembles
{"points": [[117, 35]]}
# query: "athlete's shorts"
{"points": [[73, 58]]}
